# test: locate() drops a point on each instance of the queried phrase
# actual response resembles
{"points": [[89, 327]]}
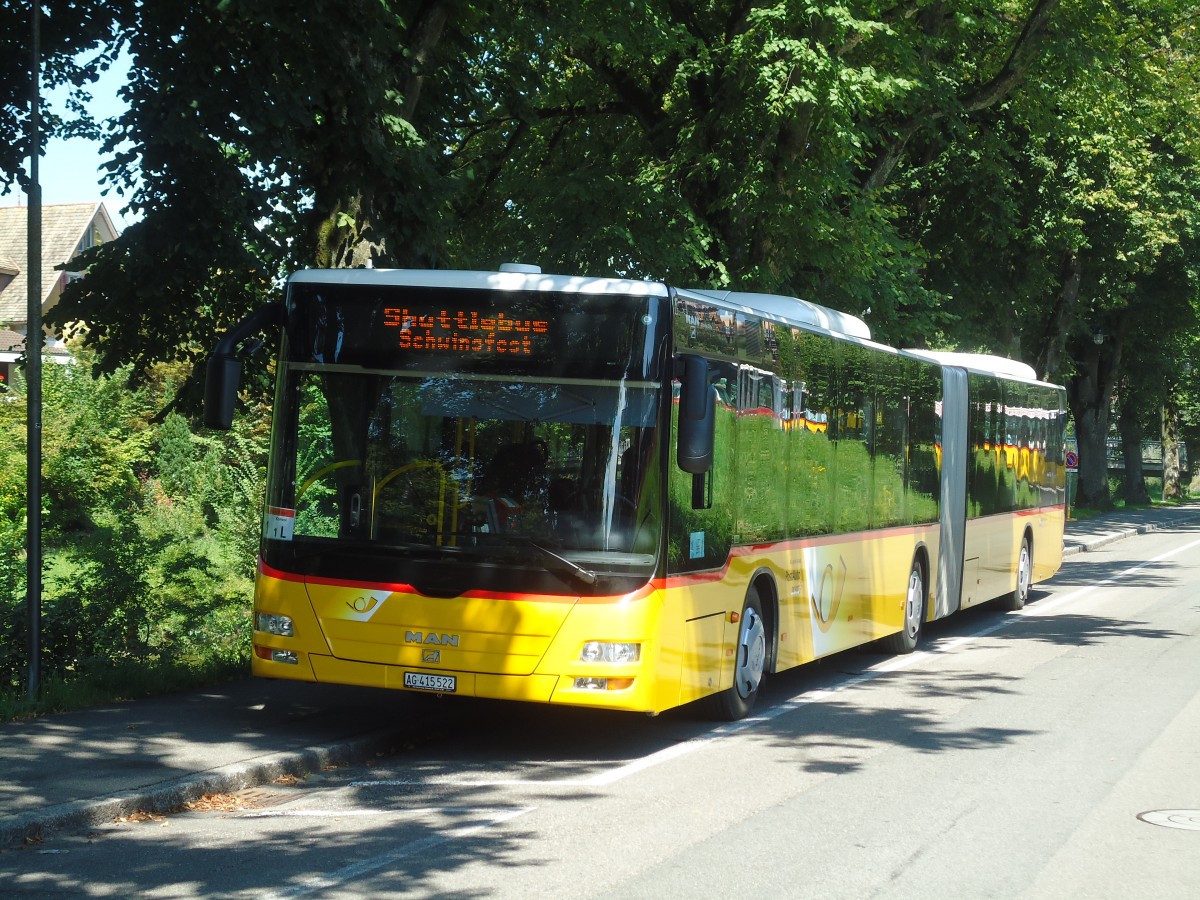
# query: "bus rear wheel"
{"points": [[1019, 597], [905, 640], [750, 664]]}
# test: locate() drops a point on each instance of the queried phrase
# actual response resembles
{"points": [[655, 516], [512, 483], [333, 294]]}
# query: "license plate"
{"points": [[443, 684]]}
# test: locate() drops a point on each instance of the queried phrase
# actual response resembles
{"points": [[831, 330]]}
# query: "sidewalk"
{"points": [[1091, 534], [89, 767], [92, 766]]}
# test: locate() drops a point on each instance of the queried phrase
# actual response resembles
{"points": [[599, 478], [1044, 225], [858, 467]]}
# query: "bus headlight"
{"points": [[281, 625], [610, 652]]}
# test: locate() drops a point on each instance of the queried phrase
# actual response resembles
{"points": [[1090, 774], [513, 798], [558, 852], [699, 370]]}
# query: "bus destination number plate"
{"points": [[443, 684]]}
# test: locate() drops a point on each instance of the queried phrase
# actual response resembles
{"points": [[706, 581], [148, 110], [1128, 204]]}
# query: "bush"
{"points": [[150, 533]]}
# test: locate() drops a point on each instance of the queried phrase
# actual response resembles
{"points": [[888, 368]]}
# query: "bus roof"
{"points": [[791, 309], [514, 277], [513, 280], [983, 363]]}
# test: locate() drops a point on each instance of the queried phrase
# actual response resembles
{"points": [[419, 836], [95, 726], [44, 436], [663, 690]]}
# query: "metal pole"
{"points": [[33, 373]]}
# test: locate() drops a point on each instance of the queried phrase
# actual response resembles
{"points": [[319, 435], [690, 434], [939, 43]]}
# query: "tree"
{"points": [[1061, 212], [260, 137], [926, 163], [732, 143], [77, 41], [1140, 269], [1171, 458]]}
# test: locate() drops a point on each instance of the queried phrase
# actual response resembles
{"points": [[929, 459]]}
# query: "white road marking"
{"points": [[350, 813], [1043, 608]]}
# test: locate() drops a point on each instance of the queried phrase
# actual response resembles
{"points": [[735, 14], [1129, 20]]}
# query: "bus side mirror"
{"points": [[697, 416], [224, 369], [221, 378]]}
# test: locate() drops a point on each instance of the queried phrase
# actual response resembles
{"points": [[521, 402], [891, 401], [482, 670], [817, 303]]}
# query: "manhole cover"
{"points": [[1187, 819]]}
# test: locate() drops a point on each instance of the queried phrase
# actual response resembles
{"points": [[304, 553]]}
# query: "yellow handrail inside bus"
{"points": [[344, 464]]}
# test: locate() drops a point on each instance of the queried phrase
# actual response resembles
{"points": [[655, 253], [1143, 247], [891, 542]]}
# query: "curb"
{"points": [[170, 795], [1105, 539]]}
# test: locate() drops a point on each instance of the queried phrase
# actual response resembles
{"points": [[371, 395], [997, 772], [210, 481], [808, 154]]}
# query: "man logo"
{"points": [[420, 637], [431, 656]]}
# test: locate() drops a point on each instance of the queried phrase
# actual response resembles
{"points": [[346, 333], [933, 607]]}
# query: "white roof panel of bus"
{"points": [[791, 309], [983, 363], [494, 281]]}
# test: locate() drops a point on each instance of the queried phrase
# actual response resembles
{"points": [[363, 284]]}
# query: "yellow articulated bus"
{"points": [[620, 494]]}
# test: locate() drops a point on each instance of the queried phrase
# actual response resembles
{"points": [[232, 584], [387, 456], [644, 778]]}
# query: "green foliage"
{"points": [[259, 138], [931, 163], [150, 538], [731, 144], [77, 42], [12, 538], [1063, 220]]}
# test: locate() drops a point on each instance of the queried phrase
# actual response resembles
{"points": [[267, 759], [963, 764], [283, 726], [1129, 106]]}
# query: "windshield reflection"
{"points": [[482, 465]]}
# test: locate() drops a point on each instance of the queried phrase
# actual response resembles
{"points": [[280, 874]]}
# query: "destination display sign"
{"points": [[507, 333], [465, 331]]}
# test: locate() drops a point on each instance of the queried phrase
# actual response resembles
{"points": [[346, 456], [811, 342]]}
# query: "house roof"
{"points": [[63, 227], [12, 348], [11, 341]]}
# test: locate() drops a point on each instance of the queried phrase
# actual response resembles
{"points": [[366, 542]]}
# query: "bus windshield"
{"points": [[547, 460]]}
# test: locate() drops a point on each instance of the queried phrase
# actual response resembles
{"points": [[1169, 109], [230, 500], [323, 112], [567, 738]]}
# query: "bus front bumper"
{"points": [[627, 692]]}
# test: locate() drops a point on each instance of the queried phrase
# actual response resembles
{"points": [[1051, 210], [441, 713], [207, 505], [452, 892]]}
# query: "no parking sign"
{"points": [[1072, 461]]}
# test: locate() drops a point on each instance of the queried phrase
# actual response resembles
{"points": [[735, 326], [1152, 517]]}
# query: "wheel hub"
{"points": [[752, 653]]}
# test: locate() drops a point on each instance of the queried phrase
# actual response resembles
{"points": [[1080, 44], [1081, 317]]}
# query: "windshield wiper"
{"points": [[587, 576]]}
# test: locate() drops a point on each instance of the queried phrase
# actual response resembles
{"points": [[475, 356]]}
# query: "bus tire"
{"points": [[1018, 598], [750, 662], [906, 639]]}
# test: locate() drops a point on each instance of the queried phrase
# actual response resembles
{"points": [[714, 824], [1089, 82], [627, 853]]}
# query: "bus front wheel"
{"points": [[750, 663]]}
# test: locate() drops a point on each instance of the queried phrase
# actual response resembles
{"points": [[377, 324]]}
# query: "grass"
{"points": [[1153, 485]]}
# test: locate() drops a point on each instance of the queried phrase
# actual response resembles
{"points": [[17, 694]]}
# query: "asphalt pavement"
{"points": [[152, 755]]}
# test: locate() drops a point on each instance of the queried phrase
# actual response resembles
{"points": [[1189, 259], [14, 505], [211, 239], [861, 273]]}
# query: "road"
{"points": [[1011, 757]]}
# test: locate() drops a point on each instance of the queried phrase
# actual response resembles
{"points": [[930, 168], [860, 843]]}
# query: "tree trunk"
{"points": [[1130, 426], [1022, 57], [1089, 395], [343, 237], [426, 32], [1172, 470], [1054, 338], [1091, 433]]}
